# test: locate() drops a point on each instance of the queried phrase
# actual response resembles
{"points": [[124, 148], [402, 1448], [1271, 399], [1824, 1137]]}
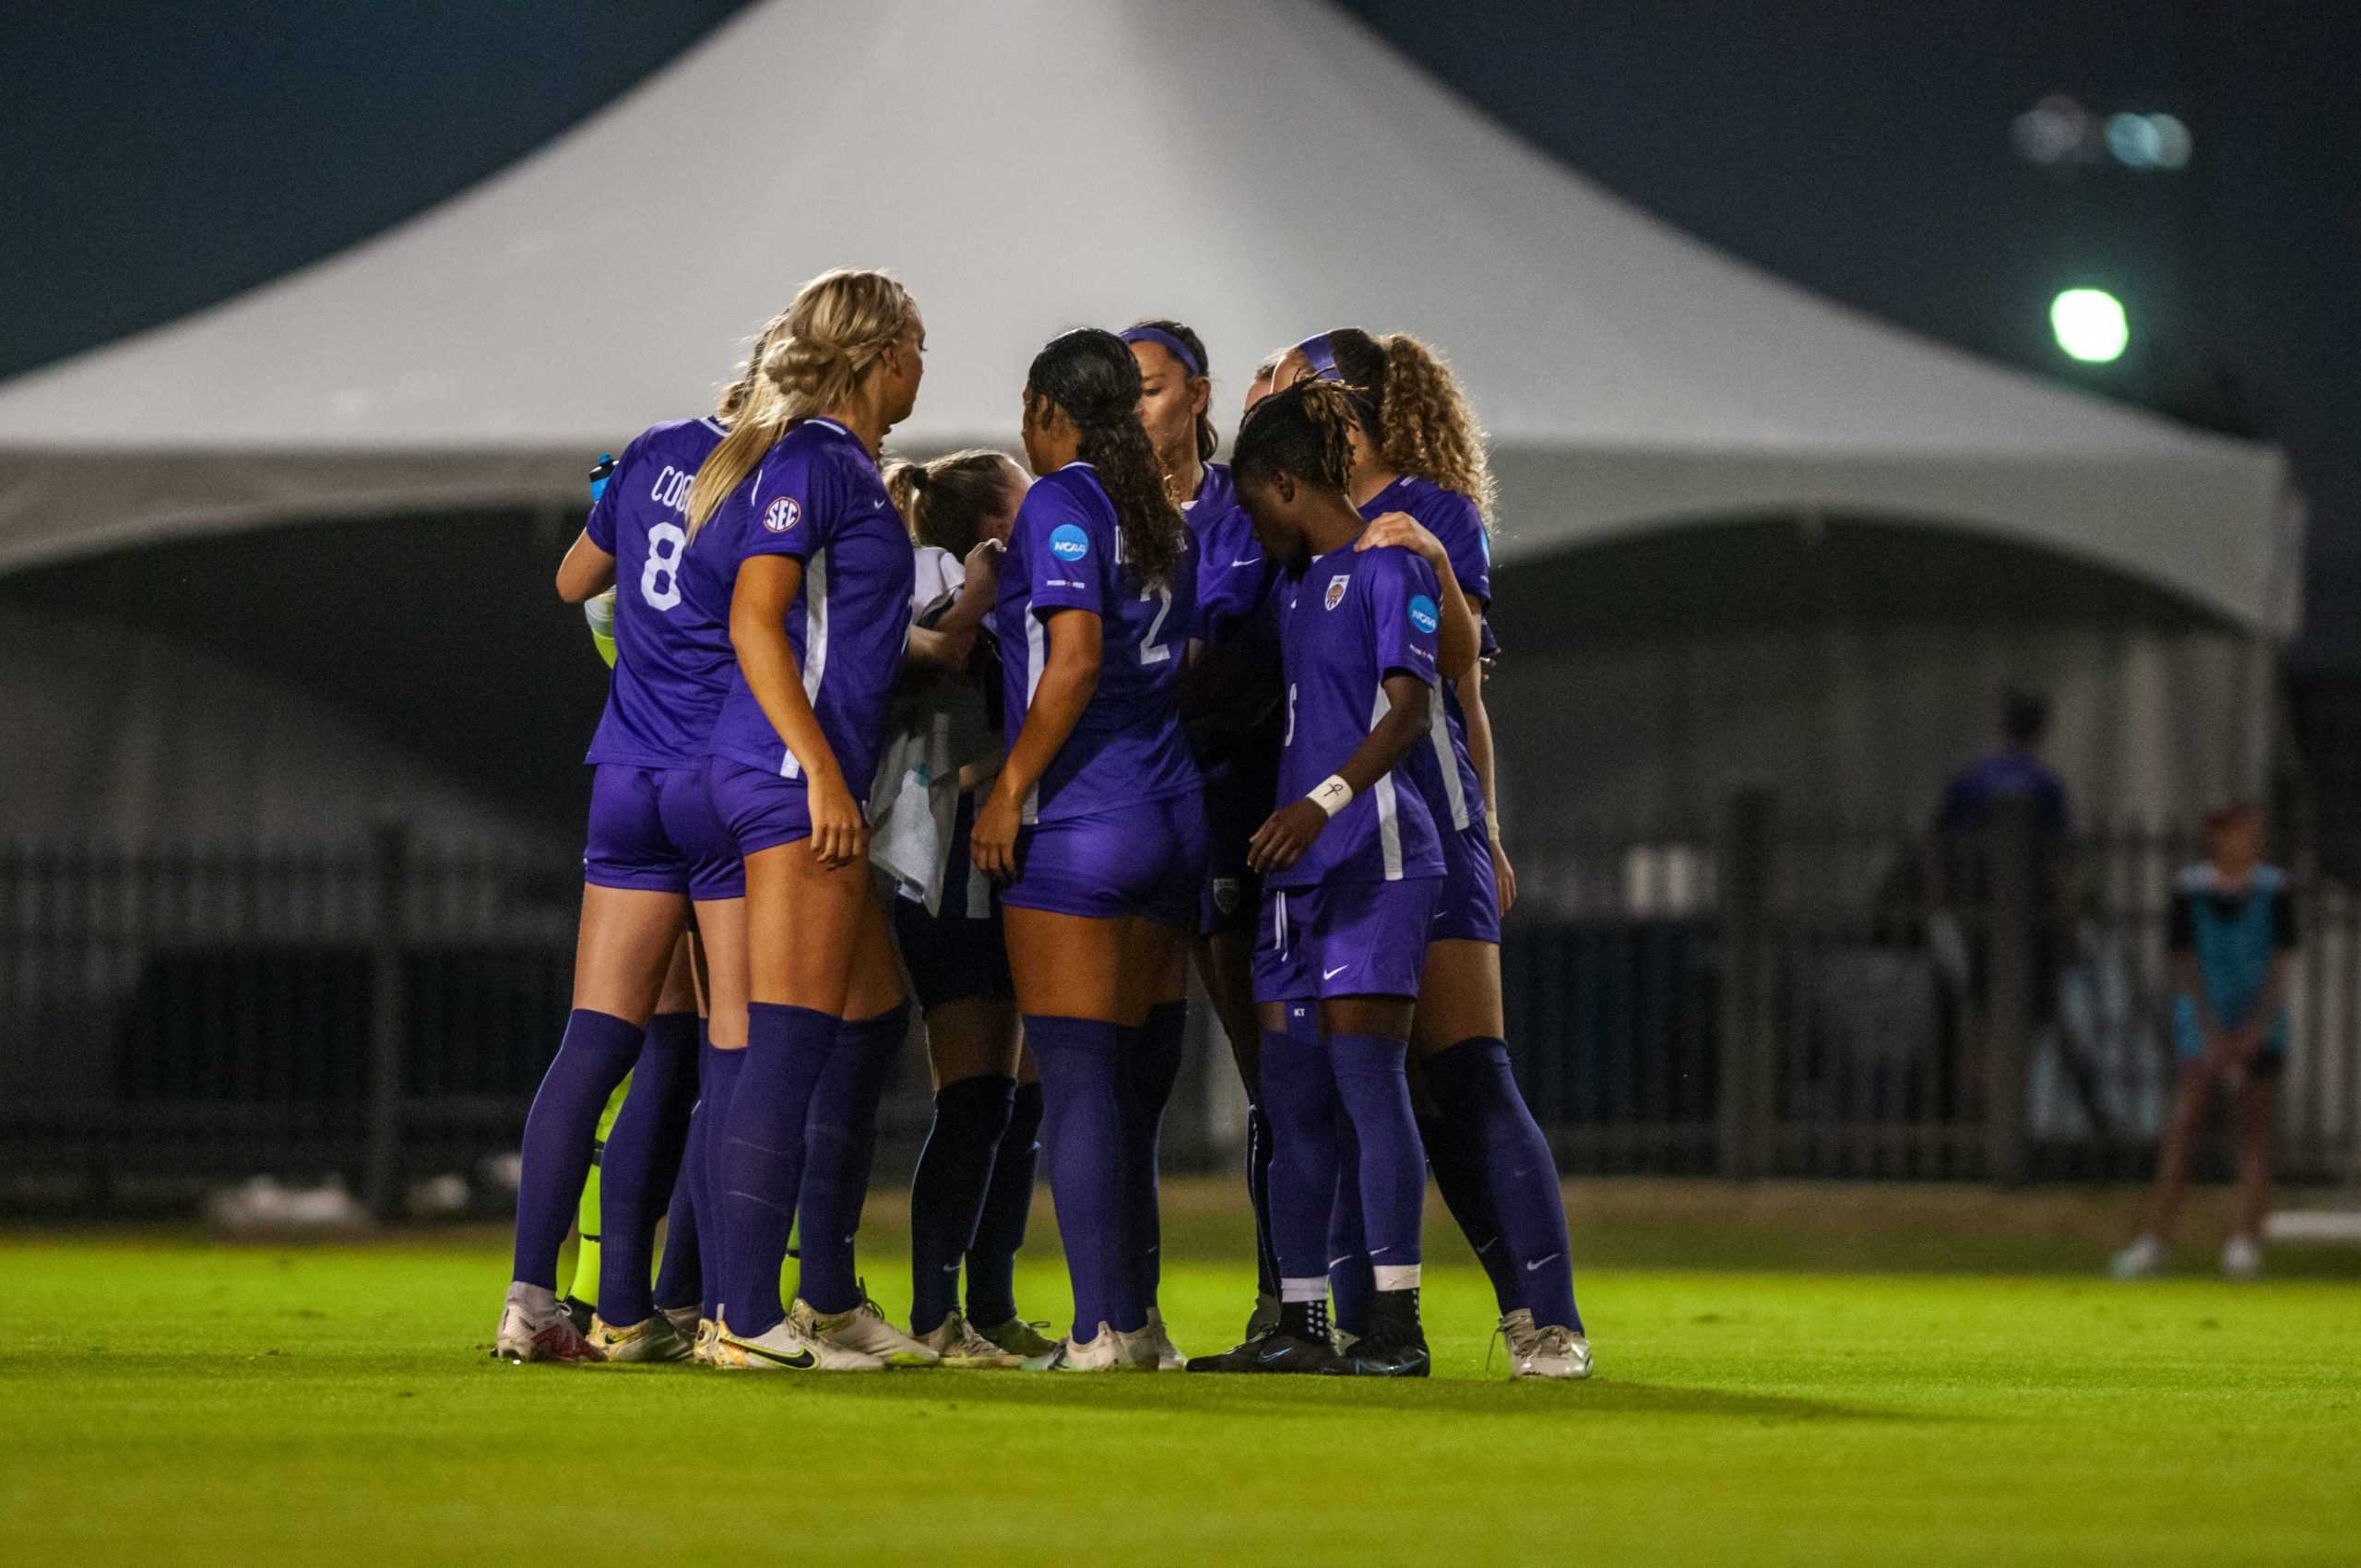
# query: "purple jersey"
{"points": [[1234, 580], [1444, 773], [816, 496], [672, 659], [1065, 552], [1354, 618]]}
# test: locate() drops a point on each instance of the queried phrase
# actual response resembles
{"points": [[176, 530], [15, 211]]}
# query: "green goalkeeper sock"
{"points": [[585, 1290]]}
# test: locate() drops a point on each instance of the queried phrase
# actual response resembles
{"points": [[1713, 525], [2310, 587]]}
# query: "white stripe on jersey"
{"points": [[1388, 824], [1447, 762], [815, 642], [1036, 658]]}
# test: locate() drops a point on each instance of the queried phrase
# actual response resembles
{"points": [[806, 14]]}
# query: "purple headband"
{"points": [[1321, 355], [1165, 340]]}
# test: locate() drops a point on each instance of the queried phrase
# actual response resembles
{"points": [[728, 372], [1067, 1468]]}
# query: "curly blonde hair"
{"points": [[811, 356], [1424, 424]]}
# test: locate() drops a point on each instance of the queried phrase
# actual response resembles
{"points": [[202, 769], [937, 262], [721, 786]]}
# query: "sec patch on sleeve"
{"points": [[783, 514]]}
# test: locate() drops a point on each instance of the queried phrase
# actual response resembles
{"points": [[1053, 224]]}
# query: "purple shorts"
{"points": [[1147, 858], [1343, 939], [760, 810], [1469, 910], [653, 829]]}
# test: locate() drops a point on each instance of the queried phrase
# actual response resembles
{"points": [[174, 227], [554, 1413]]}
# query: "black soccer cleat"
{"points": [[1394, 1346], [1277, 1352]]}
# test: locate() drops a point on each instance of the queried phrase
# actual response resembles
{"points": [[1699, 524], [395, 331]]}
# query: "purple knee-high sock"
{"points": [[1008, 1206], [1257, 1195], [840, 1140], [1300, 1098], [642, 1157], [1083, 1133], [1476, 1090], [1374, 1085], [1151, 1065], [762, 1156], [1459, 1176], [722, 1072], [597, 1051], [947, 1191], [680, 1268], [1350, 1279]]}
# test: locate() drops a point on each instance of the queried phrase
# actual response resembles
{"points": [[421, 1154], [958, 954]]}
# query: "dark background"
{"points": [[158, 159]]}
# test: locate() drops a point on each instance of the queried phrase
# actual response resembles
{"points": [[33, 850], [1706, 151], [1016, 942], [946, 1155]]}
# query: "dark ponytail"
{"points": [[1305, 432], [1091, 375], [1208, 440]]}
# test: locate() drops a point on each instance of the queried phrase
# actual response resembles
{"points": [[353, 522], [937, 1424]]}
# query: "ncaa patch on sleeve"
{"points": [[783, 514], [1422, 613], [1068, 543]]}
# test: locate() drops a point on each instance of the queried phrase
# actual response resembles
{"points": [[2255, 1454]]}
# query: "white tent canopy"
{"points": [[1259, 169]]}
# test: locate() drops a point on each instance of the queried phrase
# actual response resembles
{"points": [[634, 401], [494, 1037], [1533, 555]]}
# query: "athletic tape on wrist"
{"points": [[1331, 795]]}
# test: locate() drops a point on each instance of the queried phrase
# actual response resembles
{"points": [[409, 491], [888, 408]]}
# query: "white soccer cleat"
{"points": [[708, 1338], [2241, 1258], [1553, 1352], [1106, 1352], [1159, 1339], [786, 1348], [534, 1327], [960, 1346], [2143, 1259], [651, 1339], [1517, 1328], [862, 1329]]}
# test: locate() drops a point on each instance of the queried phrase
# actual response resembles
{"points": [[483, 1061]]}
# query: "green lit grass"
{"points": [[168, 1400]]}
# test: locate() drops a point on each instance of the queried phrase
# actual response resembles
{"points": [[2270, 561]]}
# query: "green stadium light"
{"points": [[2090, 324]]}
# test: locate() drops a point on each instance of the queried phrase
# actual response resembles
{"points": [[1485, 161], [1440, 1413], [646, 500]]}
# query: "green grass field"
{"points": [[167, 1399]]}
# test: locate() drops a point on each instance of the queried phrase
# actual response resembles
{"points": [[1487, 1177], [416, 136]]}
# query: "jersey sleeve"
{"points": [[1454, 519], [792, 504], [1069, 557], [1405, 614]]}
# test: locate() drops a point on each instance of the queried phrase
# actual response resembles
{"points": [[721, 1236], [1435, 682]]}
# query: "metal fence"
{"points": [[1766, 998]]}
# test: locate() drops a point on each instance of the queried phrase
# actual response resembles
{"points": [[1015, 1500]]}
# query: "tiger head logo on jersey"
{"points": [[1337, 591], [783, 514]]}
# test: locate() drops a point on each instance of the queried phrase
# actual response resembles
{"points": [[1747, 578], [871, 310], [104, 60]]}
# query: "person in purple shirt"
{"points": [[1352, 866], [1419, 452], [1230, 702], [1095, 824], [654, 851], [819, 613]]}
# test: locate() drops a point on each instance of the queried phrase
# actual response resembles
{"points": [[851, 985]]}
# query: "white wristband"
{"points": [[1332, 795]]}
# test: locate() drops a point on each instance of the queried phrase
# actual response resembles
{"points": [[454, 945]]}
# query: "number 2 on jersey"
{"points": [[1152, 651]]}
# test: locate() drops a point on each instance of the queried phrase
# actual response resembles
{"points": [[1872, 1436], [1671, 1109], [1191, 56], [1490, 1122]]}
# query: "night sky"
{"points": [[157, 159]]}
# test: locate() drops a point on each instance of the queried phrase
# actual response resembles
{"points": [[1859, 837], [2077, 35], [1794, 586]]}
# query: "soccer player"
{"points": [[972, 1191], [1352, 868], [1095, 825], [654, 849], [1419, 452], [2233, 936], [819, 616], [1232, 704]]}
